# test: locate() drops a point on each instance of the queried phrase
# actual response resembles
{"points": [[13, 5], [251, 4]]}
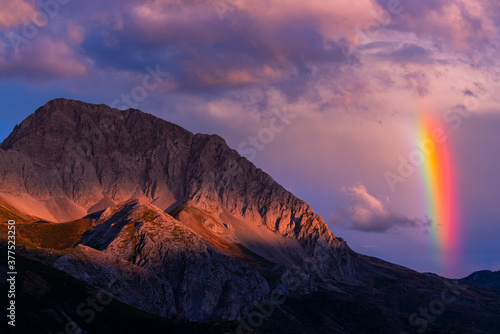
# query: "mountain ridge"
{"points": [[484, 278], [77, 157]]}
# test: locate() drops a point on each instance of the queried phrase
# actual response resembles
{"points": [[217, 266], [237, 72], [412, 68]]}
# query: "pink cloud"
{"points": [[14, 13], [417, 80], [75, 34], [253, 42], [460, 24], [44, 57], [369, 214]]}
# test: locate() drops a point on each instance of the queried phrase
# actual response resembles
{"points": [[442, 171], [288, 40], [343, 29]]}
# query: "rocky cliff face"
{"points": [[70, 159], [93, 156], [173, 271]]}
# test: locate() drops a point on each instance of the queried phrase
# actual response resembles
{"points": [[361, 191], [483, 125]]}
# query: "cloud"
{"points": [[418, 81], [408, 53], [294, 46], [460, 24], [14, 13], [369, 214], [43, 58], [277, 42]]}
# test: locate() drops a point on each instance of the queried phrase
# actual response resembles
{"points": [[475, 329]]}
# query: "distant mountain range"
{"points": [[199, 239], [484, 278]]}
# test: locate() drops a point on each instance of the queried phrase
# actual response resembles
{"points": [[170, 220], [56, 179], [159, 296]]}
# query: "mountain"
{"points": [[69, 159], [201, 235], [484, 278]]}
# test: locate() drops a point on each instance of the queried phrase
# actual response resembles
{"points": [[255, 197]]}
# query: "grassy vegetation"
{"points": [[6, 215], [8, 212], [49, 235]]}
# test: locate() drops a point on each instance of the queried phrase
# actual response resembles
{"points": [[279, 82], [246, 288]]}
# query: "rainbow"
{"points": [[440, 198]]}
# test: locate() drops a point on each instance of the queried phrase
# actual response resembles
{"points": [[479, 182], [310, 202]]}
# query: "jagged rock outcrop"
{"points": [[173, 271]]}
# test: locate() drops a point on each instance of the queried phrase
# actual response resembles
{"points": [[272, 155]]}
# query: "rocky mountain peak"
{"points": [[70, 158]]}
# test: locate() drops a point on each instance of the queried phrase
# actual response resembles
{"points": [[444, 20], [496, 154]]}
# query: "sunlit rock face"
{"points": [[173, 271]]}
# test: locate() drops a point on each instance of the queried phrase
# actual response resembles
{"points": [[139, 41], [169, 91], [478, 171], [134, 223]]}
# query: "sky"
{"points": [[331, 98]]}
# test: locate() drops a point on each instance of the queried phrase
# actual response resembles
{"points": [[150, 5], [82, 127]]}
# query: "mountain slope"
{"points": [[48, 300], [484, 278]]}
